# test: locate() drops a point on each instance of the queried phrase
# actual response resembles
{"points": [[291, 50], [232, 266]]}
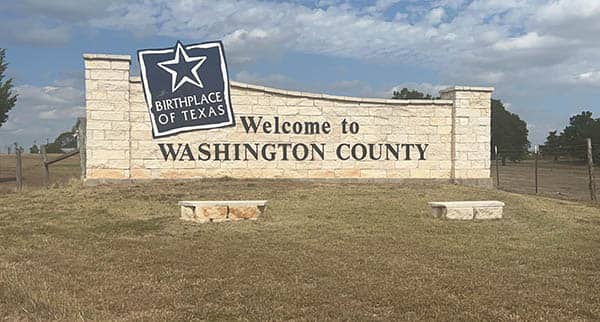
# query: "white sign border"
{"points": [[148, 95]]}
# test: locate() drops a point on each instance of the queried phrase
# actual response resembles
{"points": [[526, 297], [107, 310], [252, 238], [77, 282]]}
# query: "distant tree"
{"points": [[552, 146], [66, 140], [7, 97], [581, 127], [509, 133], [53, 148], [34, 149], [405, 93]]}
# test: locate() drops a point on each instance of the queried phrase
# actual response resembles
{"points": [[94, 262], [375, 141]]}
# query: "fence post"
{"points": [[537, 154], [592, 183], [19, 168], [81, 139], [45, 166], [497, 167]]}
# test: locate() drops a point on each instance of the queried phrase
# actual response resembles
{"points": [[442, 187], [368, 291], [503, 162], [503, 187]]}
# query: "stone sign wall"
{"points": [[287, 134]]}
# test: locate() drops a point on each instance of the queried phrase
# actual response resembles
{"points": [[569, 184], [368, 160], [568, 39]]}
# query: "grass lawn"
{"points": [[355, 252]]}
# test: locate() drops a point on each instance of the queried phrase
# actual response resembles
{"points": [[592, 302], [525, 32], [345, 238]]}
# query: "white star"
{"points": [[179, 53]]}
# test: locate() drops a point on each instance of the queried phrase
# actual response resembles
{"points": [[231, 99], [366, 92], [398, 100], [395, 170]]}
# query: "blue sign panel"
{"points": [[186, 88]]}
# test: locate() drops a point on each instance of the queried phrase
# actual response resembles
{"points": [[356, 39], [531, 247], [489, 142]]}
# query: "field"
{"points": [[60, 172], [564, 179], [322, 252]]}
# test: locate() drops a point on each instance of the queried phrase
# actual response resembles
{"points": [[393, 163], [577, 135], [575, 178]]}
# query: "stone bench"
{"points": [[467, 210], [219, 211]]}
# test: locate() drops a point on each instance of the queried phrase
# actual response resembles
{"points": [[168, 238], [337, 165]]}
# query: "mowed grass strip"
{"points": [[355, 252]]}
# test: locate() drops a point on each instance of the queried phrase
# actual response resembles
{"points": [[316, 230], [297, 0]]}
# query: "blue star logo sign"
{"points": [[186, 88], [183, 68]]}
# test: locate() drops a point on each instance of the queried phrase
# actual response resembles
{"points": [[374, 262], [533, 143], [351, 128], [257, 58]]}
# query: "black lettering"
{"points": [[171, 152], [407, 146], [422, 148], [363, 151], [390, 148], [253, 151], [326, 127], [319, 149], [284, 150], [225, 151], [304, 152], [285, 127], [187, 151], [269, 156], [372, 152], [338, 151], [248, 123], [204, 149]]}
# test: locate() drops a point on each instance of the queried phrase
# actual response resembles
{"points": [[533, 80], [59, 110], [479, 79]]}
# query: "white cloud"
{"points": [[48, 115], [520, 47], [528, 41], [496, 42], [588, 78], [31, 32], [435, 16], [42, 112], [46, 23]]}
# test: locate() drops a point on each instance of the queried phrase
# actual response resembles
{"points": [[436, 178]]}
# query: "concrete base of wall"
{"points": [[480, 183]]}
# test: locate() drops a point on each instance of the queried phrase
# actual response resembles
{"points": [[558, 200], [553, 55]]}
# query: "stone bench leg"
{"points": [[453, 213], [488, 213], [188, 213], [204, 214], [213, 214], [220, 213], [460, 213], [244, 212], [467, 213]]}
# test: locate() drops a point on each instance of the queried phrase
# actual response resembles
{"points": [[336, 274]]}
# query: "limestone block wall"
{"points": [[107, 89], [455, 131], [471, 135]]}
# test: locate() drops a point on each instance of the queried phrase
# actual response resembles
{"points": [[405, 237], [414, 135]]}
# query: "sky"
{"points": [[542, 56]]}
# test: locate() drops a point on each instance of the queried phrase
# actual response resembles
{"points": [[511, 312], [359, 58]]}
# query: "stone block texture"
{"points": [[467, 210], [204, 212], [120, 143]]}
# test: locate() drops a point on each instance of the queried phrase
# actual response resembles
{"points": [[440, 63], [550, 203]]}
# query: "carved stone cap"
{"points": [[106, 57], [467, 89]]}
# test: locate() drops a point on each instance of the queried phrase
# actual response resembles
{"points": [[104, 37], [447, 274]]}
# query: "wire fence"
{"points": [[33, 171], [559, 172]]}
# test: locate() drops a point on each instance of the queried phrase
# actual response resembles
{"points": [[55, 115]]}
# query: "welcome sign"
{"points": [[294, 151], [135, 126], [186, 88]]}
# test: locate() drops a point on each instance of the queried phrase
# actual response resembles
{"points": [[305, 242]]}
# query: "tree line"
{"points": [[571, 141], [508, 131]]}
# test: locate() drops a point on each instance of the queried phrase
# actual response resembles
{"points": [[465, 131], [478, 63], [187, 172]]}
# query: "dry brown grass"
{"points": [[60, 172], [323, 252]]}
